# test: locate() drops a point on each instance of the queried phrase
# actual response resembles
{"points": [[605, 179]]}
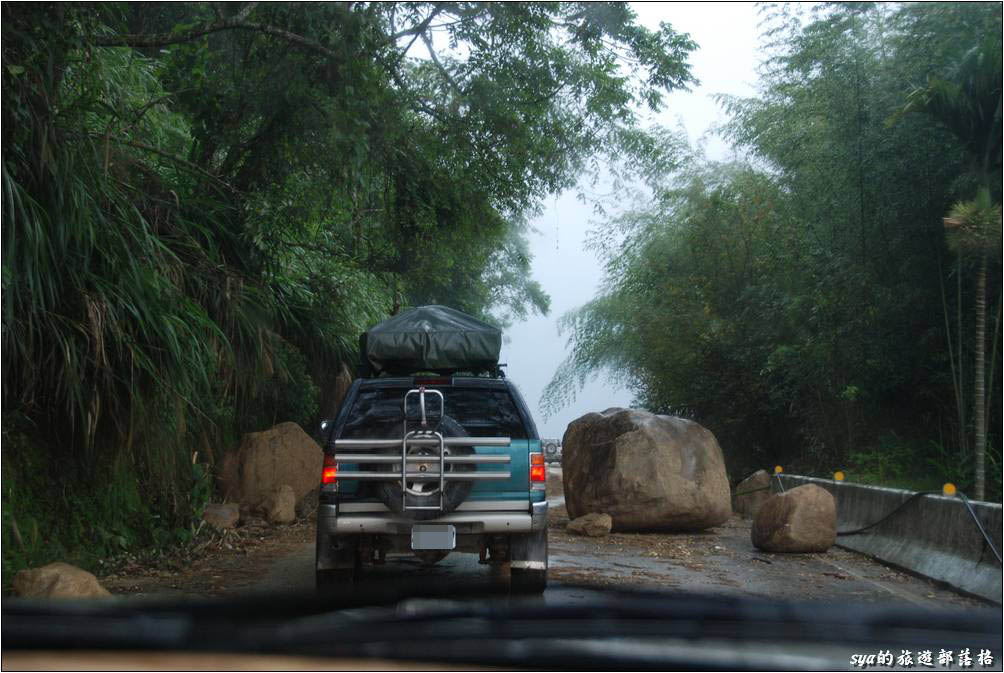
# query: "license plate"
{"points": [[433, 536]]}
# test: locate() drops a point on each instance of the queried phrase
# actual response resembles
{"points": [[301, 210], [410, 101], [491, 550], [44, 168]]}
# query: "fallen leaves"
{"points": [[228, 553]]}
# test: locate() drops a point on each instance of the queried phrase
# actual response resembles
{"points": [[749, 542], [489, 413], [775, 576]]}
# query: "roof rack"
{"points": [[431, 339], [365, 371]]}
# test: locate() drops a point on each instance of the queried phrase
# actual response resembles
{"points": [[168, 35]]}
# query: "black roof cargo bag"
{"points": [[431, 338]]}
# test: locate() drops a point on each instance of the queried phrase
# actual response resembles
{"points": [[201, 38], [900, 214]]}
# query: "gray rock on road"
{"points": [[648, 472], [283, 454], [222, 515], [803, 519], [592, 524], [58, 580], [750, 493]]}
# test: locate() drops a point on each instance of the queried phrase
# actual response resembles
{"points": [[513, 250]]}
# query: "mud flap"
{"points": [[528, 551], [335, 552], [528, 562]]}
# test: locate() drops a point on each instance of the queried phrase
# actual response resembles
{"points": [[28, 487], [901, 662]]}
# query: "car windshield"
{"points": [[712, 293]]}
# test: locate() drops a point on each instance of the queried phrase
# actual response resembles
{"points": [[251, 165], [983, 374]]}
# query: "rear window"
{"points": [[482, 412]]}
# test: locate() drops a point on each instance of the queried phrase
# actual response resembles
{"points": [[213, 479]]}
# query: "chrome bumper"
{"points": [[331, 521]]}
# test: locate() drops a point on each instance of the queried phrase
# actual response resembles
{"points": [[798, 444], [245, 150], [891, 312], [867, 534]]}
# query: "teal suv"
{"points": [[433, 465]]}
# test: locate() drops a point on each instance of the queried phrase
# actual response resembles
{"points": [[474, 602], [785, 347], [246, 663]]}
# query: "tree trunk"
{"points": [[979, 406]]}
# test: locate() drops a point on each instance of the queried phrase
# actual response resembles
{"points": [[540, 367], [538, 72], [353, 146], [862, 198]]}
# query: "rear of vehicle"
{"points": [[552, 450], [431, 466]]}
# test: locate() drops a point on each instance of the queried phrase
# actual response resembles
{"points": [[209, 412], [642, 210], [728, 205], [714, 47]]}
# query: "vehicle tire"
{"points": [[426, 494], [527, 552]]}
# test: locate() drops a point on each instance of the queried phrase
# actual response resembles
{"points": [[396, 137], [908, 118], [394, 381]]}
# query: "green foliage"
{"points": [[792, 302], [975, 226], [968, 103], [51, 513], [892, 462], [911, 465], [886, 464], [287, 394], [204, 205]]}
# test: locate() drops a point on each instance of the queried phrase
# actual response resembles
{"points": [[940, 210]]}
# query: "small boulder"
{"points": [[751, 493], [254, 525], [648, 472], [803, 519], [222, 515], [308, 504], [58, 580], [592, 524], [280, 505]]}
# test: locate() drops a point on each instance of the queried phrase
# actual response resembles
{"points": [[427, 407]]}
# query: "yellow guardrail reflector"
{"points": [[778, 469], [948, 489], [838, 475]]}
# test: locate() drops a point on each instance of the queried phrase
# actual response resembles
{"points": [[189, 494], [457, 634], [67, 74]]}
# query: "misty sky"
{"points": [[725, 62]]}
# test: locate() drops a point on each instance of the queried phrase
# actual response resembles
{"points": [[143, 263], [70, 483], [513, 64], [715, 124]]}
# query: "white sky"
{"points": [[725, 62]]}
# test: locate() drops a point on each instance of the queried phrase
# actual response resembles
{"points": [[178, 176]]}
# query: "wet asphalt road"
{"points": [[720, 561]]}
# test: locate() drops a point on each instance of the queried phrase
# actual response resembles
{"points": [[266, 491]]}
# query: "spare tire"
{"points": [[426, 493]]}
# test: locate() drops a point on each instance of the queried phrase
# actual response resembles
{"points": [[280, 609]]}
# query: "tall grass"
{"points": [[137, 331]]}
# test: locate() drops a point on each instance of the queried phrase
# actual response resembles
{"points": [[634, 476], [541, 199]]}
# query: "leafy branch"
{"points": [[237, 22]]}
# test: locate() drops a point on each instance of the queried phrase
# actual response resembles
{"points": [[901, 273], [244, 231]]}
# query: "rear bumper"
{"points": [[468, 522]]}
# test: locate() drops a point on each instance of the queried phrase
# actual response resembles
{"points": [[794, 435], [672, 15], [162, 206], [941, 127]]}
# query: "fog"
{"points": [[725, 63]]}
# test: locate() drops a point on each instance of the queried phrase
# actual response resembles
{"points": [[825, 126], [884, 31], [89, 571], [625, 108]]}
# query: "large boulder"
{"points": [[751, 492], [803, 519], [648, 472], [58, 580], [283, 454], [592, 524], [222, 515]]}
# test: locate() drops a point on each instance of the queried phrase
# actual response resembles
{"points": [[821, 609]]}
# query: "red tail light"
{"points": [[538, 470], [329, 473], [431, 382]]}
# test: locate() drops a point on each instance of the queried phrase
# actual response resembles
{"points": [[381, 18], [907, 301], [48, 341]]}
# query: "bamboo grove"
{"points": [[831, 297]]}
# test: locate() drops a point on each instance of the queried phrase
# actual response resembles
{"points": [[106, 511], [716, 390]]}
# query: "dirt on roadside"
{"points": [[222, 563]]}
